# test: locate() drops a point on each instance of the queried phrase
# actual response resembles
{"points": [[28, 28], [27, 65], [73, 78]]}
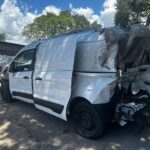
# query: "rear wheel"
{"points": [[87, 121], [5, 91]]}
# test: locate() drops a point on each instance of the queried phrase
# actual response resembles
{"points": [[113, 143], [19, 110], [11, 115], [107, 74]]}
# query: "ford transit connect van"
{"points": [[91, 77]]}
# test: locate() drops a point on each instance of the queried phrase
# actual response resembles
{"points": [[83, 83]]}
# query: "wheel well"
{"points": [[75, 101]]}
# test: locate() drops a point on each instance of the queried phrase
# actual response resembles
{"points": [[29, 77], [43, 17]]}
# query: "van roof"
{"points": [[124, 43]]}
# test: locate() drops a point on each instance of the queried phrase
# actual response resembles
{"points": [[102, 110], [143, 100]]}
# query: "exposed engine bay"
{"points": [[134, 75], [130, 106]]}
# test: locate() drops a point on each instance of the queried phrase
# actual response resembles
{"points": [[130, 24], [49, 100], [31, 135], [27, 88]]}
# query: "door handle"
{"points": [[25, 77], [143, 69], [147, 83], [38, 78]]}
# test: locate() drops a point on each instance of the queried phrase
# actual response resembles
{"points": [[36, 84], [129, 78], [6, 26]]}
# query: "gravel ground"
{"points": [[24, 127]]}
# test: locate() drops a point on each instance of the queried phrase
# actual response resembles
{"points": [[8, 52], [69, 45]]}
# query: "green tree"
{"points": [[122, 14], [95, 25], [130, 12], [2, 37], [50, 24]]}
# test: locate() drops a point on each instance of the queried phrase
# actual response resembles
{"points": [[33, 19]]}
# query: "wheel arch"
{"points": [[75, 101]]}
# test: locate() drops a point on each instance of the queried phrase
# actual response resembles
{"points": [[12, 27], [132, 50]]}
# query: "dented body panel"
{"points": [[97, 88]]}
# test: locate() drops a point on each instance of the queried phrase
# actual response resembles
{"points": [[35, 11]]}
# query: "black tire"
{"points": [[5, 91], [87, 121]]}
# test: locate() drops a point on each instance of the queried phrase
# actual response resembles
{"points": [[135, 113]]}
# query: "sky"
{"points": [[16, 14]]}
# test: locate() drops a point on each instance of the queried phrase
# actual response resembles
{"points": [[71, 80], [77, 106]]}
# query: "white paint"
{"points": [[54, 64], [18, 84], [97, 88]]}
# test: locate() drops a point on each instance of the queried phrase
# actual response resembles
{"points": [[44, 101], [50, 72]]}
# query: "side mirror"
{"points": [[12, 67]]}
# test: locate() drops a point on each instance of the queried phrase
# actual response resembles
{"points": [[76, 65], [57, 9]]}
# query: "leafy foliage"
{"points": [[132, 11], [49, 25]]}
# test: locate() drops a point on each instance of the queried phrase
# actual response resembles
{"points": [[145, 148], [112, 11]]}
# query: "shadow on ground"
{"points": [[24, 127]]}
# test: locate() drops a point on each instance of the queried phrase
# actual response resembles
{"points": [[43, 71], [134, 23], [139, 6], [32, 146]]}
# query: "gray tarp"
{"points": [[135, 47], [132, 45]]}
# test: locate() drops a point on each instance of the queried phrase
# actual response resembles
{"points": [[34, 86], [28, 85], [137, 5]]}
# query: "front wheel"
{"points": [[87, 121], [5, 91]]}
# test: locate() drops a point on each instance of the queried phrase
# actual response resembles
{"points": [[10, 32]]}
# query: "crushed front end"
{"points": [[134, 76]]}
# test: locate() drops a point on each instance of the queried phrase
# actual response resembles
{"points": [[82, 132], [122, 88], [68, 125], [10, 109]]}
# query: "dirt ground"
{"points": [[24, 127]]}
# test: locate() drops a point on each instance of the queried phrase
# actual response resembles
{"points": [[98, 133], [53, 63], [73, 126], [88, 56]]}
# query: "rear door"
{"points": [[21, 77], [53, 75]]}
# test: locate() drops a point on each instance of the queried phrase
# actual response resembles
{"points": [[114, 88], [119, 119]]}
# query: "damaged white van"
{"points": [[93, 77]]}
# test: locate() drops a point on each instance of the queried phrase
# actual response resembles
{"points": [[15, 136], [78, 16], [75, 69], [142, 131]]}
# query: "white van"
{"points": [[81, 75]]}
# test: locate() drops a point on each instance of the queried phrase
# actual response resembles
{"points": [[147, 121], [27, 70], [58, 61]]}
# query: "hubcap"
{"points": [[85, 120]]}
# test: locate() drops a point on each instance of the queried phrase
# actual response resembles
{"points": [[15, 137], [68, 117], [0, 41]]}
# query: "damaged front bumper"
{"points": [[131, 108]]}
